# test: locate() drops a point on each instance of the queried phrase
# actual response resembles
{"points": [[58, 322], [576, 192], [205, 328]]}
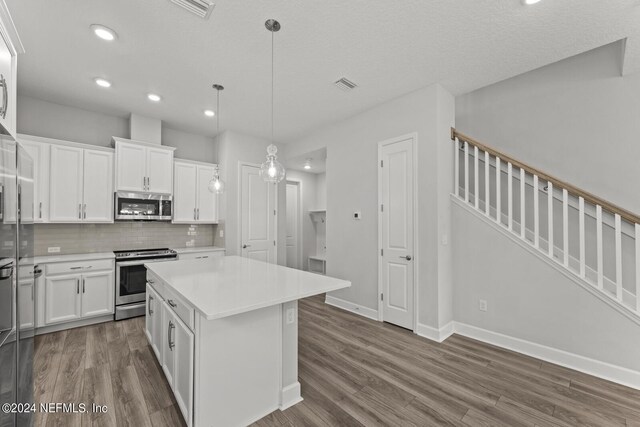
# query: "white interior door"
{"points": [[257, 212], [293, 224], [396, 220]]}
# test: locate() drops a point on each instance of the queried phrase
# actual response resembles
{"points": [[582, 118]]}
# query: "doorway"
{"points": [[294, 225], [257, 210], [396, 228]]}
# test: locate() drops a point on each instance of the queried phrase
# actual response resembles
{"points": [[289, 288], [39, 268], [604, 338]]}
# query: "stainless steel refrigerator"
{"points": [[17, 282]]}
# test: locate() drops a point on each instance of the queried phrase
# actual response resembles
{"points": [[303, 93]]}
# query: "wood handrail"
{"points": [[608, 206]]}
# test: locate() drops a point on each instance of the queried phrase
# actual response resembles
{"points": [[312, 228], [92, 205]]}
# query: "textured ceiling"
{"points": [[387, 47]]}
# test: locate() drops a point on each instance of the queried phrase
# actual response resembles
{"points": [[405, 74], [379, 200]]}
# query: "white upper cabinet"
{"points": [[207, 210], [98, 186], [143, 167], [39, 152], [159, 170], [80, 184], [66, 178], [193, 202], [184, 192], [10, 47], [130, 167]]}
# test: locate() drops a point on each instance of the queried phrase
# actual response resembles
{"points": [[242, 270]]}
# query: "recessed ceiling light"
{"points": [[209, 113], [102, 82], [529, 2], [103, 32], [153, 97], [307, 164]]}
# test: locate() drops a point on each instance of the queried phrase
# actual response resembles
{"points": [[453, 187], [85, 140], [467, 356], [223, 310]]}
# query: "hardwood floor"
{"points": [[353, 372]]}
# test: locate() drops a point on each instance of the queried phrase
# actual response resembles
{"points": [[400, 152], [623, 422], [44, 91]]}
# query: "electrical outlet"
{"points": [[221, 233], [482, 305], [291, 316], [53, 249]]}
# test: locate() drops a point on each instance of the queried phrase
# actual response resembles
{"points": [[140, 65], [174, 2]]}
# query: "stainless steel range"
{"points": [[131, 279]]}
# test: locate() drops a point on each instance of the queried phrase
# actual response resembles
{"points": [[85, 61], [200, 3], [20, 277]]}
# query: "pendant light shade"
{"points": [[216, 184], [272, 170]]}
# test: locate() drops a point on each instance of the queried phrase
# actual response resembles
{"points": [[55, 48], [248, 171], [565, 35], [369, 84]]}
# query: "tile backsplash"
{"points": [[85, 238]]}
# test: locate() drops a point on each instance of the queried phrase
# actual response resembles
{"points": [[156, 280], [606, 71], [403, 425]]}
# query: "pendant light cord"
{"points": [[272, 80], [218, 129]]}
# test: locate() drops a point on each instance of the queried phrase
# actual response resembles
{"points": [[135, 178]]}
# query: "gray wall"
{"points": [[576, 119], [530, 300], [51, 120], [352, 185]]}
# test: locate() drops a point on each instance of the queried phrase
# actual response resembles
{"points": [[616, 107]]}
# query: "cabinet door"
{"points": [[39, 152], [98, 186], [183, 371], [207, 206], [160, 170], [97, 293], [40, 300], [130, 167], [8, 93], [65, 181], [62, 298], [167, 332], [158, 340], [26, 303], [184, 193]]}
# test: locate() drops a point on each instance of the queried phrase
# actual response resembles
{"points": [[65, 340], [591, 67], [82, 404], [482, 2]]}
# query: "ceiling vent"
{"points": [[202, 8], [345, 84]]}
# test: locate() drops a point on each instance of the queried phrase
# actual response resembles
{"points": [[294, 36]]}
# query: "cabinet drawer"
{"points": [[156, 284], [183, 310], [200, 255], [79, 266]]}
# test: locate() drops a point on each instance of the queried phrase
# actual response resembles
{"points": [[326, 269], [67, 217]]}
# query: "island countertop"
{"points": [[225, 286]]}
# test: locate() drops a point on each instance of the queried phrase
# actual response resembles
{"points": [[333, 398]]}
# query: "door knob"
{"points": [[246, 246], [407, 257]]}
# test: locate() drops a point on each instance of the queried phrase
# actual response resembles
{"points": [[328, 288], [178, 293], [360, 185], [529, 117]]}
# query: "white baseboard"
{"points": [[607, 371], [290, 395], [354, 308], [434, 334]]}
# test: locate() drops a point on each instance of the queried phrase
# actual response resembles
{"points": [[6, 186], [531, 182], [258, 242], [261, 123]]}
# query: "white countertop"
{"points": [[198, 249], [224, 286], [47, 259]]}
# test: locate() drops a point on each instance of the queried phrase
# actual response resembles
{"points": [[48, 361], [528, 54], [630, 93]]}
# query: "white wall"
{"points": [[576, 119], [351, 180], [530, 300], [234, 148], [51, 120], [308, 188], [321, 191]]}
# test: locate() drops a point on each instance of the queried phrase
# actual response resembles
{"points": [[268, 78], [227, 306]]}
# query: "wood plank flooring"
{"points": [[353, 371]]}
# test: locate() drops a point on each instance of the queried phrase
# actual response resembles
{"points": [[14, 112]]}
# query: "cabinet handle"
{"points": [[78, 286], [144, 182], [198, 217], [80, 211], [149, 308], [75, 268], [84, 211], [171, 344], [171, 303], [83, 285], [40, 210], [148, 184], [5, 93]]}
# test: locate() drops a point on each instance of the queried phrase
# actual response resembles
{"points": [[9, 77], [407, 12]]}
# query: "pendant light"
{"points": [[216, 185], [271, 170]]}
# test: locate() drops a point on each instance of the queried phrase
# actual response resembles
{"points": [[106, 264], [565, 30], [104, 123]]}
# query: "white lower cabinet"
{"points": [[62, 299], [26, 296], [173, 344], [97, 293], [71, 291]]}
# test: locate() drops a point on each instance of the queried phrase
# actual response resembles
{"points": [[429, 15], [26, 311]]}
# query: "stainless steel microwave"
{"points": [[142, 206]]}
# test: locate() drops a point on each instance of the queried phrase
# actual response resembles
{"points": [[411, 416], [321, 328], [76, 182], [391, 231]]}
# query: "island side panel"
{"points": [[238, 369], [290, 394]]}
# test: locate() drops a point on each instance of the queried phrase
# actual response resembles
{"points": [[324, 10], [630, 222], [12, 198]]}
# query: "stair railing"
{"points": [[483, 190]]}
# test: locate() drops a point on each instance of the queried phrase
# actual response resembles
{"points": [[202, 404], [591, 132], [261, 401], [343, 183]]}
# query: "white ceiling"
{"points": [[387, 47], [318, 161]]}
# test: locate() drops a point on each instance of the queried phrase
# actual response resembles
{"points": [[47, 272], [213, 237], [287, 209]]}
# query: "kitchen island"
{"points": [[225, 331]]}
